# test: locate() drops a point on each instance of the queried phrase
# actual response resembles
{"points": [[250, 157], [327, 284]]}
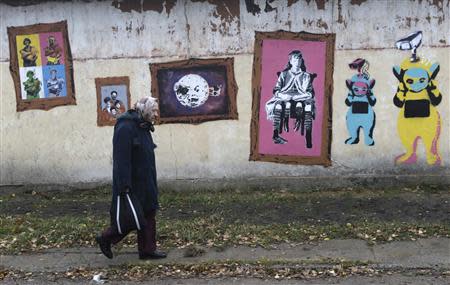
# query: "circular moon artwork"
{"points": [[191, 90]]}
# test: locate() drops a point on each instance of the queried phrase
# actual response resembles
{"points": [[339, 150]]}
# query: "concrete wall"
{"points": [[108, 38]]}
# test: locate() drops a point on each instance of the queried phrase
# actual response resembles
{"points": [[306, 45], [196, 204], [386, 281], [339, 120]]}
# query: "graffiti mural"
{"points": [[417, 97], [360, 99]]}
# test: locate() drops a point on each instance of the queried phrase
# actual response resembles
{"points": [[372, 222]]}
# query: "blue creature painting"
{"points": [[361, 100]]}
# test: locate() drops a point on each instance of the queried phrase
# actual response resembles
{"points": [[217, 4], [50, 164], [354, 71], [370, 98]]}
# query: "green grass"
{"points": [[218, 218], [28, 234]]}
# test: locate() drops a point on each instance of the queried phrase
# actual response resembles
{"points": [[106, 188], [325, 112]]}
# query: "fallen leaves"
{"points": [[262, 269]]}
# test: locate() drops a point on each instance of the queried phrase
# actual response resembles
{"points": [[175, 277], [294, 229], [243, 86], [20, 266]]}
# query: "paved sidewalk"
{"points": [[406, 254], [411, 257]]}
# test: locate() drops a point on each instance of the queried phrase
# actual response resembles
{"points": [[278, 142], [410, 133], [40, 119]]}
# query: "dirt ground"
{"points": [[255, 207]]}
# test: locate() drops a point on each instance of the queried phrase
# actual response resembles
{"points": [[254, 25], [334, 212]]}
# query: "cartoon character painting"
{"points": [[361, 100], [417, 97]]}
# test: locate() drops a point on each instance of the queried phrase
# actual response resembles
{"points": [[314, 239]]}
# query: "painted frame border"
{"points": [[232, 88], [41, 103], [99, 82], [325, 157]]}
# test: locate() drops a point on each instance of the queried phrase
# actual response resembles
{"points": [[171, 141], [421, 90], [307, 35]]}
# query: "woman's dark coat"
{"points": [[134, 160]]}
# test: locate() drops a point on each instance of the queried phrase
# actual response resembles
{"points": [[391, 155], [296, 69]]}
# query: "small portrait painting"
{"points": [[41, 66], [195, 90], [113, 99]]}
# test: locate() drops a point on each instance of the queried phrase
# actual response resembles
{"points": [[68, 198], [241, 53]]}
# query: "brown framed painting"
{"points": [[113, 98], [41, 66], [292, 86], [195, 90]]}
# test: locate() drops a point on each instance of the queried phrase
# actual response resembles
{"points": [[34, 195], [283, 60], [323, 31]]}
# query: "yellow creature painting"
{"points": [[417, 97]]}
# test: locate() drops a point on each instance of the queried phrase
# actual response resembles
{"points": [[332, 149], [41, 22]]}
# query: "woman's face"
{"points": [[295, 60]]}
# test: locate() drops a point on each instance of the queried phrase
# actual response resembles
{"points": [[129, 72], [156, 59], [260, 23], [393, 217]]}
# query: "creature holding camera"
{"points": [[417, 97]]}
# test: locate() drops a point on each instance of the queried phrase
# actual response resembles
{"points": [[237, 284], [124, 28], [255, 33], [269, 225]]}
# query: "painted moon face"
{"points": [[191, 90]]}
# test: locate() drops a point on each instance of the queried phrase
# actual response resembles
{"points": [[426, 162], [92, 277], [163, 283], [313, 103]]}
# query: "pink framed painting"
{"points": [[292, 88]]}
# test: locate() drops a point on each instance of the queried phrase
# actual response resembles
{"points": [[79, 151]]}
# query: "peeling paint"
{"points": [[213, 27], [153, 5], [320, 4], [169, 5], [340, 19], [437, 3], [30, 2], [128, 6], [145, 5], [227, 10], [357, 2], [319, 23], [252, 7], [322, 24]]}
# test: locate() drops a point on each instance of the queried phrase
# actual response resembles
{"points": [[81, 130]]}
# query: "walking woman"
{"points": [[134, 171]]}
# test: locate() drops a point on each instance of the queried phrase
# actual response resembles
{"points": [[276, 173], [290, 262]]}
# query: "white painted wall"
{"points": [[64, 145]]}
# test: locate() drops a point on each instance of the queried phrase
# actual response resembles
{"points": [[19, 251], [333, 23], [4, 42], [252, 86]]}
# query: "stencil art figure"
{"points": [[29, 53], [361, 100], [32, 86], [53, 51], [417, 97], [293, 97], [55, 84]]}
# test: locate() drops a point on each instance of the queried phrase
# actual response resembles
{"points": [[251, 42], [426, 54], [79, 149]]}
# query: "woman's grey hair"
{"points": [[147, 107]]}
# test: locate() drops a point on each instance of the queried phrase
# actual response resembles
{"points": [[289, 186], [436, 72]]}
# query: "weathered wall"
{"points": [[120, 39]]}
